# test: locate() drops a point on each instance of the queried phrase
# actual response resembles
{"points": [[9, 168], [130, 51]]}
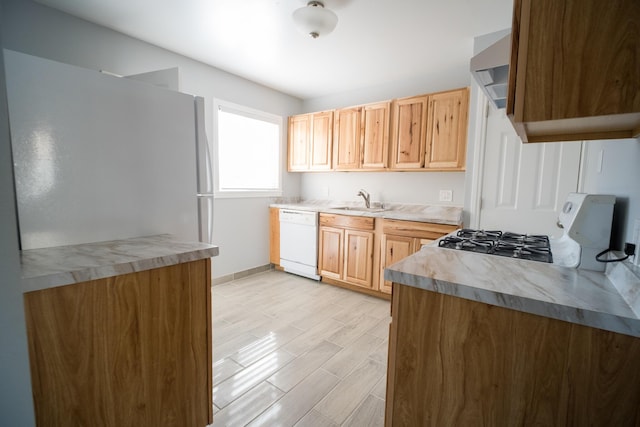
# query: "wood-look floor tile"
{"points": [[242, 411], [370, 413], [380, 389], [381, 353], [236, 385], [312, 336], [352, 355], [227, 348], [229, 331], [380, 309], [302, 314], [223, 369], [315, 419], [308, 318], [265, 345], [381, 328], [348, 316], [352, 330], [295, 404], [298, 369], [350, 392]]}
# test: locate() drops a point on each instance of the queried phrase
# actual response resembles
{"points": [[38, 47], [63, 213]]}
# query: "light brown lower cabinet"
{"points": [[129, 350], [394, 249], [345, 249], [358, 257], [403, 238], [456, 362]]}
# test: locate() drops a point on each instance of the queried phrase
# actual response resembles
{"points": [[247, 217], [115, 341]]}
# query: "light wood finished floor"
{"points": [[289, 351]]}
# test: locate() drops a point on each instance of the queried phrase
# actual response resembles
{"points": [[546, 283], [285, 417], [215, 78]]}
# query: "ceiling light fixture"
{"points": [[314, 20]]}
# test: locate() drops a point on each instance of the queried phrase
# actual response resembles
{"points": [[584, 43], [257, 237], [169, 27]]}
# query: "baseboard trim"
{"points": [[241, 274]]}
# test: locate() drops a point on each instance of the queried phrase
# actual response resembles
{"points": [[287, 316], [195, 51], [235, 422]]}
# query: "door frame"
{"points": [[477, 177]]}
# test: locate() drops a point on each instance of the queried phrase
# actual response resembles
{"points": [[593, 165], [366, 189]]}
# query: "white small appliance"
{"points": [[586, 220]]}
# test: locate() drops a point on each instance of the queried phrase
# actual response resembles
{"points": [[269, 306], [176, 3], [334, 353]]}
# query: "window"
{"points": [[248, 151]]}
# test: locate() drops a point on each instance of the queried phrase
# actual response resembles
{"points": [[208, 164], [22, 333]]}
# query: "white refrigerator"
{"points": [[99, 158]]}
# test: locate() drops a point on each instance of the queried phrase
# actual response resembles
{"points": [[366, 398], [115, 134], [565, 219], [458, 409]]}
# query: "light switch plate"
{"points": [[446, 195]]}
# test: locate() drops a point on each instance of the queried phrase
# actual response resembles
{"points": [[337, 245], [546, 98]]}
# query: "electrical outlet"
{"points": [[446, 195]]}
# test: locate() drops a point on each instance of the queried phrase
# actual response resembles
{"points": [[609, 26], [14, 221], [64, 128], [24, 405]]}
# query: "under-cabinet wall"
{"points": [[401, 187]]}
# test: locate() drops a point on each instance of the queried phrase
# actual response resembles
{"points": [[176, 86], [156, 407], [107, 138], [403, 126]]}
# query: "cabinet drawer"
{"points": [[425, 230], [346, 221]]}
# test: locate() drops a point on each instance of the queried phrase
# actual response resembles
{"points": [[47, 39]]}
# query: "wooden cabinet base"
{"points": [[356, 288], [454, 362], [128, 350]]}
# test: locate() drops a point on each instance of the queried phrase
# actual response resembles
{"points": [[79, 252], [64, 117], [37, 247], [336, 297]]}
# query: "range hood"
{"points": [[490, 68]]}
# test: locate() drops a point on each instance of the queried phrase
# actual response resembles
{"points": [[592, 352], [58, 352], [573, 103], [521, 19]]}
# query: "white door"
{"points": [[524, 185]]}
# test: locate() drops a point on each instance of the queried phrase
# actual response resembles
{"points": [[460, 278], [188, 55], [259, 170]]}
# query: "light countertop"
{"points": [[64, 265], [437, 214], [609, 301]]}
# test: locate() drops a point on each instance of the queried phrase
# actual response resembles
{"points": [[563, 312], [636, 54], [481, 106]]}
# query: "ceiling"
{"points": [[376, 42]]}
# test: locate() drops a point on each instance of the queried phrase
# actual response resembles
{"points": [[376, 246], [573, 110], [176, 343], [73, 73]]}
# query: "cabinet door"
{"points": [[375, 146], [347, 138], [358, 257], [574, 73], [321, 140], [330, 252], [409, 132], [447, 130], [394, 249], [299, 133]]}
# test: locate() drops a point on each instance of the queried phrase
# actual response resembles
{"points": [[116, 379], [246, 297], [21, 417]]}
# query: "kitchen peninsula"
{"points": [[120, 332], [485, 340]]}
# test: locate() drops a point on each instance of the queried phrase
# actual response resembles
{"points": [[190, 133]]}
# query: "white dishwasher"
{"points": [[299, 242]]}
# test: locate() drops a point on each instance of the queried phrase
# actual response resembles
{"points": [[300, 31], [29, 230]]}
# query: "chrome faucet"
{"points": [[366, 197]]}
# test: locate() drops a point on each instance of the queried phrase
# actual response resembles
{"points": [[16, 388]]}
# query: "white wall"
{"points": [[38, 30], [16, 405], [619, 174], [401, 187]]}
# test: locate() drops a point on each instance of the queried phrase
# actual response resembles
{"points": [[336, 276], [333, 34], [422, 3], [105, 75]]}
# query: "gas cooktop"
{"points": [[507, 244]]}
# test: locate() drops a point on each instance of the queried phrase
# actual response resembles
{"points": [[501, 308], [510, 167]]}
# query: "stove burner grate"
{"points": [[507, 244]]}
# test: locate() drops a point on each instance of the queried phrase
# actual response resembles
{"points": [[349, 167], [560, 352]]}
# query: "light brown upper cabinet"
{"points": [[574, 72], [375, 141], [299, 133], [419, 133], [409, 132], [310, 141], [361, 137], [447, 130], [321, 140], [347, 138]]}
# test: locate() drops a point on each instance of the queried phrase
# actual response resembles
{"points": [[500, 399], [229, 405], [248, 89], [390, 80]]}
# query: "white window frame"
{"points": [[219, 104]]}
